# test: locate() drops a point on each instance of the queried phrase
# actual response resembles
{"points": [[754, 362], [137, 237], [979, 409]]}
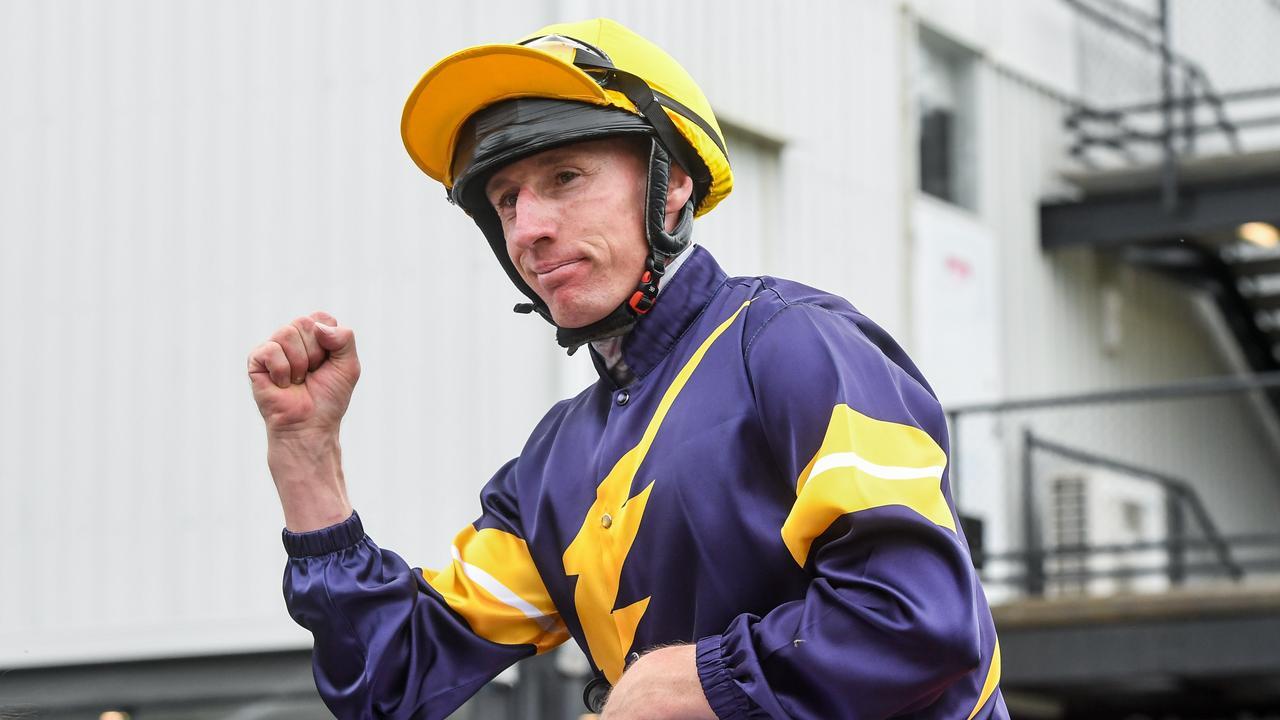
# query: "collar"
{"points": [[607, 356], [610, 349], [683, 298]]}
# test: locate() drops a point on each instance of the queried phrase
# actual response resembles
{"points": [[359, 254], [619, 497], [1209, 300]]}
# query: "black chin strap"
{"points": [[619, 322], [624, 317]]}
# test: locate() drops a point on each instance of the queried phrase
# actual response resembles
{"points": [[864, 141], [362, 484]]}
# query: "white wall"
{"points": [[177, 179]]}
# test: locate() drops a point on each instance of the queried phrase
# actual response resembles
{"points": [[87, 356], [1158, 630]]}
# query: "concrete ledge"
{"points": [[1211, 601]]}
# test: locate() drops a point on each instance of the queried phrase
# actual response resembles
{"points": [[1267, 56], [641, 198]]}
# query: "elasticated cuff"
{"points": [[723, 695], [325, 540]]}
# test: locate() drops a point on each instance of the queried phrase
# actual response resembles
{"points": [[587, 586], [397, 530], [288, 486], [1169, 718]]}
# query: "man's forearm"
{"points": [[308, 477]]}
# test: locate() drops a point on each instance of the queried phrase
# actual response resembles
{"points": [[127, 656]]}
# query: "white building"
{"points": [[178, 179]]}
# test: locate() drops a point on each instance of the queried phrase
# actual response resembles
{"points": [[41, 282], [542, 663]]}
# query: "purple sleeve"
{"points": [[889, 620], [386, 645], [393, 641]]}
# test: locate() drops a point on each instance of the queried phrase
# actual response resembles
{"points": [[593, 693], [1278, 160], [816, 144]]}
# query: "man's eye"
{"points": [[507, 200], [564, 177]]}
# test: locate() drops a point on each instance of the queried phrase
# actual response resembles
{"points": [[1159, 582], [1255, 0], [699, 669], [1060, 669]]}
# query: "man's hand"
{"points": [[661, 685], [303, 376], [302, 379]]}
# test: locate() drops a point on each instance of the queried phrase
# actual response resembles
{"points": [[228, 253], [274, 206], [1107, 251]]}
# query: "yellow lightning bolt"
{"points": [[600, 549]]}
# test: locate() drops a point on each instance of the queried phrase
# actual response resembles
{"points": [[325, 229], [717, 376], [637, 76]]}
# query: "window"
{"points": [[947, 127]]}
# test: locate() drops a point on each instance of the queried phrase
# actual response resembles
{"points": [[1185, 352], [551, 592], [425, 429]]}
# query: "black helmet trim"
{"points": [[508, 131], [595, 62], [642, 96], [695, 118]]}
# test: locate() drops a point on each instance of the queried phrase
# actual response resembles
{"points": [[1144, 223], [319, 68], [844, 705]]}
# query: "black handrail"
{"points": [[1265, 540], [1210, 568], [1199, 387], [1178, 493], [1151, 33]]}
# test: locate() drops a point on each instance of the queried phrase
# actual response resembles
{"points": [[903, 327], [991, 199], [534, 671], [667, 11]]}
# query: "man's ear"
{"points": [[679, 190]]}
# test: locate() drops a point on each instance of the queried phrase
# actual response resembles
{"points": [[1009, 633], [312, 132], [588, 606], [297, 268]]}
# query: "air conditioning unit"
{"points": [[1097, 508]]}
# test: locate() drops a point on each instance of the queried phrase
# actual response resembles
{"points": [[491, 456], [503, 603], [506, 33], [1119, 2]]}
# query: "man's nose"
{"points": [[534, 220]]}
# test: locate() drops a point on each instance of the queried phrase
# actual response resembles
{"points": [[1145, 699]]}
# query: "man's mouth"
{"points": [[543, 268], [552, 273]]}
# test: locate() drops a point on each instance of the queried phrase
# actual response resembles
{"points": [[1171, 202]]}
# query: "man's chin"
{"points": [[572, 316], [573, 322]]}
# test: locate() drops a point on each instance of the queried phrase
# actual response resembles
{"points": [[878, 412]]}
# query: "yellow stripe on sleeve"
{"points": [[865, 463], [494, 585]]}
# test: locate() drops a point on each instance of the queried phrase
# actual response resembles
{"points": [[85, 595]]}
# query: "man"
{"points": [[746, 516]]}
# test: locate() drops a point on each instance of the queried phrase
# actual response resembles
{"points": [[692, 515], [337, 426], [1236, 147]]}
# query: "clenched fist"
{"points": [[303, 376], [302, 380]]}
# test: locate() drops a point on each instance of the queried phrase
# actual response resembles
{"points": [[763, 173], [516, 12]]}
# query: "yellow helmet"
{"points": [[598, 62], [484, 107]]}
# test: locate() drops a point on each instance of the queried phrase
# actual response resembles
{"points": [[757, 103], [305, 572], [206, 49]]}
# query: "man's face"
{"points": [[573, 220]]}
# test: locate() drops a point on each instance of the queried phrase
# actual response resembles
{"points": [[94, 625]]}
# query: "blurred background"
{"points": [[1065, 210]]}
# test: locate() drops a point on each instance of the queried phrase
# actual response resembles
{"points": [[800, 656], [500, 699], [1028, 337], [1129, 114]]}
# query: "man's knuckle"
{"points": [[277, 357], [303, 325], [291, 346]]}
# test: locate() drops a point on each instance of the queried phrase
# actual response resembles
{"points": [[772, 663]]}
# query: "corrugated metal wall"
{"points": [[177, 179]]}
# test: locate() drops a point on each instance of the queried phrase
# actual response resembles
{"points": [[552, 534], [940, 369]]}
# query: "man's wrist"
{"points": [[308, 476], [301, 460]]}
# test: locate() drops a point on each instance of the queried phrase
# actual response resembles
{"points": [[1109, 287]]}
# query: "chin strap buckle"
{"points": [[646, 294]]}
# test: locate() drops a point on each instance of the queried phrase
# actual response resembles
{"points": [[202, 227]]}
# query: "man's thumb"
{"points": [[339, 341]]}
